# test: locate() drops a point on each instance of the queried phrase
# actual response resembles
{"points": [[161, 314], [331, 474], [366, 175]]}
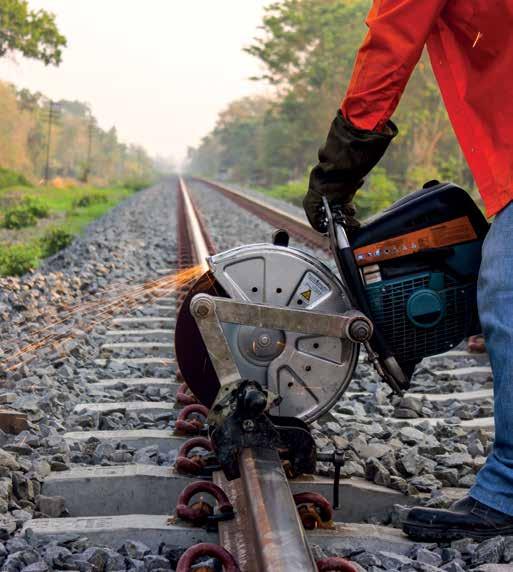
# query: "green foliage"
{"points": [[89, 199], [419, 174], [306, 42], [10, 178], [32, 33], [292, 192], [55, 240], [17, 259], [19, 217], [36, 206], [25, 213], [33, 242], [137, 184], [307, 49], [64, 204], [379, 193]]}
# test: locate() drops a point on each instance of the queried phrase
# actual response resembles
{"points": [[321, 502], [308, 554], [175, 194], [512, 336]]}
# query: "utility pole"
{"points": [[89, 149], [52, 116]]}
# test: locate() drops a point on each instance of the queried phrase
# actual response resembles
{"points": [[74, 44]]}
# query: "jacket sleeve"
{"points": [[398, 30]]}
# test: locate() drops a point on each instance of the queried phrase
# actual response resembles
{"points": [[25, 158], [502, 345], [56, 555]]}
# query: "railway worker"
{"points": [[471, 52]]}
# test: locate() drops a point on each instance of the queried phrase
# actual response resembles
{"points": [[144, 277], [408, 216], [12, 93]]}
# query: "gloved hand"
{"points": [[346, 158]]}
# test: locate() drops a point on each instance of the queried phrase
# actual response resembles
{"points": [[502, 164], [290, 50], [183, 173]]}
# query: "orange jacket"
{"points": [[472, 57]]}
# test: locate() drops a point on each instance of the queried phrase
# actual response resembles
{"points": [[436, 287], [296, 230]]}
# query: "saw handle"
{"points": [[344, 257], [351, 277]]}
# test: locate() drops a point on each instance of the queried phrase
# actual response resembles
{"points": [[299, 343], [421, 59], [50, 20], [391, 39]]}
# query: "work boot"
{"points": [[467, 518]]}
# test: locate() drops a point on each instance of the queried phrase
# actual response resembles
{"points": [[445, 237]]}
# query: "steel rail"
{"points": [[195, 232], [281, 544], [270, 519], [295, 226]]}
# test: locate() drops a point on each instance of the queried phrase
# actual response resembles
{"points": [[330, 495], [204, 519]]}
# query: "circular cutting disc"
{"points": [[310, 373], [191, 353]]}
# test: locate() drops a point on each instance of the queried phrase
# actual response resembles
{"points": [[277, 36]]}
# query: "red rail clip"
{"points": [[190, 556], [195, 464], [188, 425], [200, 512], [184, 395], [335, 564], [315, 511]]}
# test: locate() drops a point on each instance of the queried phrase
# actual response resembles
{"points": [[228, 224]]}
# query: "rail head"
{"points": [[196, 235], [271, 208], [272, 214]]}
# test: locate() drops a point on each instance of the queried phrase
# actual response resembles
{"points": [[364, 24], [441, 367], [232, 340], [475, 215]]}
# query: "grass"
{"points": [[292, 192], [69, 211], [9, 178]]}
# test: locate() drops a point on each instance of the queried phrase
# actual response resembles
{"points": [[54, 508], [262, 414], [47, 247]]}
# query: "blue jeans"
{"points": [[494, 484]]}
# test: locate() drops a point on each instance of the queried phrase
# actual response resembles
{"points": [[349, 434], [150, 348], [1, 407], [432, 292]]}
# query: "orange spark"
{"points": [[96, 312]]}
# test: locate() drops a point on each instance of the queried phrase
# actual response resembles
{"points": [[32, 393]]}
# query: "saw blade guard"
{"points": [[309, 373]]}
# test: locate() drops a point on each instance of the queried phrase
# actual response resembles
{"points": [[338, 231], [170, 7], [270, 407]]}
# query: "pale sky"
{"points": [[159, 70]]}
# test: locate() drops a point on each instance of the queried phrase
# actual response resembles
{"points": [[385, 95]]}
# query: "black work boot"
{"points": [[467, 518]]}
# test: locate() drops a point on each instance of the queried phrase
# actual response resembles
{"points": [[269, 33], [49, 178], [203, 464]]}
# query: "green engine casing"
{"points": [[423, 303]]}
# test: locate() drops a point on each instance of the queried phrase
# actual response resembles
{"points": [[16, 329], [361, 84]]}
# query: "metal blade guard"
{"points": [[274, 315]]}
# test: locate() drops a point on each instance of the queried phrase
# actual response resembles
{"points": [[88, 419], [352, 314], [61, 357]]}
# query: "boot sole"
{"points": [[436, 534]]}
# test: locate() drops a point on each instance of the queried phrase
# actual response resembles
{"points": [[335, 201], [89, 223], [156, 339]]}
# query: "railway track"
{"points": [[138, 500]]}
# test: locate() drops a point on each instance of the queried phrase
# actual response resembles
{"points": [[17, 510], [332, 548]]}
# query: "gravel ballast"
{"points": [[124, 248]]}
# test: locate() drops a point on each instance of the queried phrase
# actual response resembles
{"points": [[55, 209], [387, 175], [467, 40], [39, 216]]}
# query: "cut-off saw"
{"points": [[278, 318]]}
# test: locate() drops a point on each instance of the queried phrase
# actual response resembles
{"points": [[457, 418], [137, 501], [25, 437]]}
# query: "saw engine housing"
{"points": [[419, 263]]}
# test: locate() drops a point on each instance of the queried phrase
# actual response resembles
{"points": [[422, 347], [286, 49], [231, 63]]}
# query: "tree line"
{"points": [[307, 50], [74, 144], [40, 138]]}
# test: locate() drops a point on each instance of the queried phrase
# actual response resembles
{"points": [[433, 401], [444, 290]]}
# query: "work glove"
{"points": [[345, 159]]}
